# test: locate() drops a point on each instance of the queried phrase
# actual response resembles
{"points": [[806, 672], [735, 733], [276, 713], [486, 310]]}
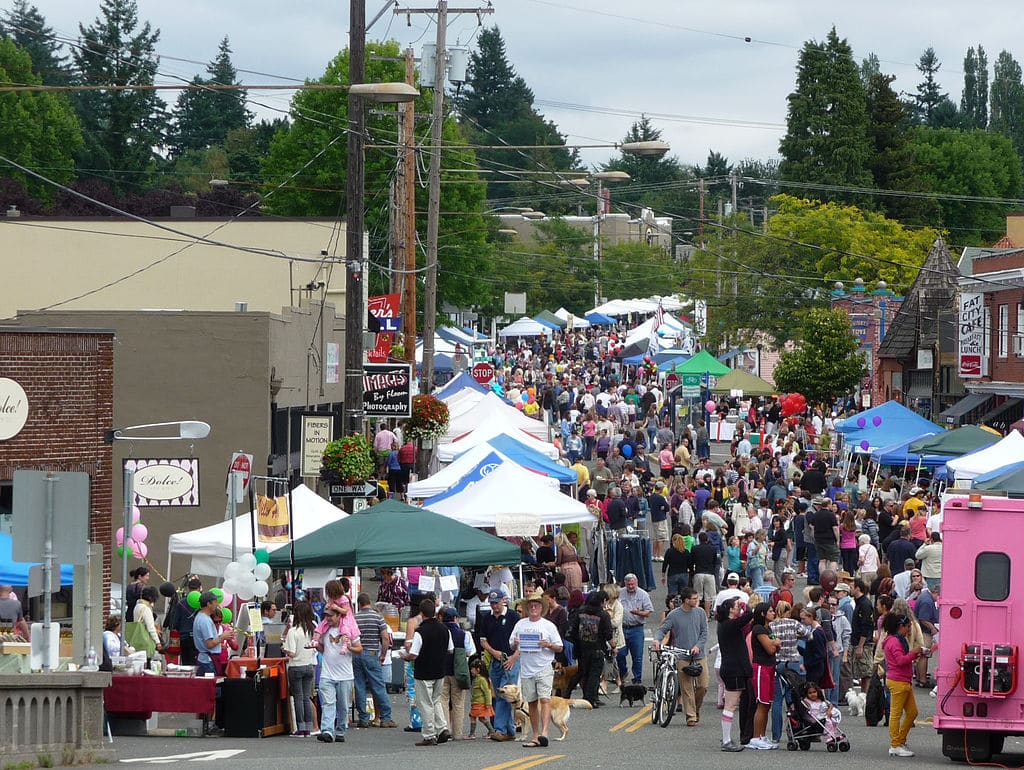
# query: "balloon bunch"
{"points": [[135, 543], [793, 403], [862, 423], [649, 366], [248, 576], [526, 400]]}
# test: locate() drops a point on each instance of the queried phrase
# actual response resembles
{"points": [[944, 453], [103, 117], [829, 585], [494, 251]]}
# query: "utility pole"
{"points": [[700, 214], [409, 210], [734, 179], [434, 186], [355, 308]]}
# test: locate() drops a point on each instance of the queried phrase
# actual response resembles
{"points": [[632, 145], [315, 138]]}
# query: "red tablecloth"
{"points": [[278, 667], [139, 696]]}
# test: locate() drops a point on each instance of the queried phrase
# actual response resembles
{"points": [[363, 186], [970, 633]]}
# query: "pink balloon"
{"points": [[136, 514], [710, 406], [139, 533], [228, 598], [120, 535], [140, 550]]}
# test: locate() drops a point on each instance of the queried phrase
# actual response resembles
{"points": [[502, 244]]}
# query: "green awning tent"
{"points": [[394, 534], [1009, 480], [955, 443], [703, 363], [741, 379], [546, 316]]}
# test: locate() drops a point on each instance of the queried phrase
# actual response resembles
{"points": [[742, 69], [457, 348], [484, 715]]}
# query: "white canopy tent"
{"points": [[448, 452], [210, 547], [492, 408], [578, 322], [451, 475], [512, 500], [1001, 453], [525, 327], [441, 345], [462, 402], [672, 329], [617, 307]]}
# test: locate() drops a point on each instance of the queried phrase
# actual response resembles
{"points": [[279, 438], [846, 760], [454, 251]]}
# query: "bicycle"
{"points": [[666, 683]]}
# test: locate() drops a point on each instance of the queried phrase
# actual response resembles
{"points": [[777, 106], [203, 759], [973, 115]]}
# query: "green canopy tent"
{"points": [[955, 443], [741, 379], [1010, 481], [394, 534], [546, 316], [703, 363]]}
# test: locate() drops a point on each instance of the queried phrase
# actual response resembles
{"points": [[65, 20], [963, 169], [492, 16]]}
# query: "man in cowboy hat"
{"points": [[535, 640]]}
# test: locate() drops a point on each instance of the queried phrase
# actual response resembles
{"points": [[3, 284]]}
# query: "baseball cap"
{"points": [[450, 613], [843, 587], [496, 596], [909, 562], [916, 490], [789, 571], [732, 577]]}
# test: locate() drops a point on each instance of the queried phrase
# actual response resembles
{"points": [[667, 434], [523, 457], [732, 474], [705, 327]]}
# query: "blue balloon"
{"points": [[627, 451]]}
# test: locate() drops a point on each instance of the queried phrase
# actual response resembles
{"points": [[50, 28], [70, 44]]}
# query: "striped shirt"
{"points": [[788, 631], [371, 627], [640, 600]]}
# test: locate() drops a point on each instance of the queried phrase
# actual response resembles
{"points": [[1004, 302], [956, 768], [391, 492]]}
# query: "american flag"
{"points": [[659, 318]]}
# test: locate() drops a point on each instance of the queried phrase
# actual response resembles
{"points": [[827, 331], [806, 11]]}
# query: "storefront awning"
{"points": [[969, 403], [1005, 414]]}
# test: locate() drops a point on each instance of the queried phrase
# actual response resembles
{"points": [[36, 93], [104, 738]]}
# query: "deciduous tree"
{"points": [[825, 363], [974, 99], [1006, 108]]}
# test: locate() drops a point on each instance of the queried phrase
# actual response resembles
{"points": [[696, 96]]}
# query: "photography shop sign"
{"points": [[387, 390], [166, 482]]}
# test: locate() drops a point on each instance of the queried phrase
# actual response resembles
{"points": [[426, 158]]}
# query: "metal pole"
{"points": [[434, 202], [597, 246], [355, 310], [128, 492], [48, 571], [409, 210], [233, 512]]}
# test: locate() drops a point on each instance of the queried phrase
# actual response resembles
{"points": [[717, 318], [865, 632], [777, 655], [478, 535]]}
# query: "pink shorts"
{"points": [[764, 683]]}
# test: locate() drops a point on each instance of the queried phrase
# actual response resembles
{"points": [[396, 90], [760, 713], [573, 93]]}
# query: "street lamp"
{"points": [[186, 430]]}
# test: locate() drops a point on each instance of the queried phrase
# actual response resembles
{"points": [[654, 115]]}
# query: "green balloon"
{"points": [[120, 551], [193, 599], [218, 593], [262, 556], [225, 614]]}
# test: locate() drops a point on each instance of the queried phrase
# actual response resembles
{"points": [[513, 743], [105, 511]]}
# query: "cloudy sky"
{"points": [[594, 65]]}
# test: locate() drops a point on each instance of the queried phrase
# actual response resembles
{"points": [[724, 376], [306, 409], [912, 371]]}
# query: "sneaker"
{"points": [[900, 751], [427, 742], [339, 738], [388, 723], [760, 744], [325, 737], [412, 729], [362, 725], [731, 746], [443, 736]]}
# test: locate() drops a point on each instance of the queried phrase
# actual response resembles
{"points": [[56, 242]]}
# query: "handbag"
{"points": [[826, 682]]}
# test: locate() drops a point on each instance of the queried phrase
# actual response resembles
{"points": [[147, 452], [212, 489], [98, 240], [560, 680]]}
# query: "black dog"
{"points": [[632, 693]]}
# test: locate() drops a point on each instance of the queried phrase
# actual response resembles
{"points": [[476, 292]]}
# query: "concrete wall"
{"points": [[47, 261]]}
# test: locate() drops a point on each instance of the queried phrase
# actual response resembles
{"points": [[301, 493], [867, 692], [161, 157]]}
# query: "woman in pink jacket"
{"points": [[899, 670]]}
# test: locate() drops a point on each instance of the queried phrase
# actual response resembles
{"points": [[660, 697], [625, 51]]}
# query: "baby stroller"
{"points": [[802, 727]]}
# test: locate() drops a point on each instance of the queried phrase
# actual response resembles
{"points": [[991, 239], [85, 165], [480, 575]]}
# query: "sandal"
{"points": [[531, 745]]}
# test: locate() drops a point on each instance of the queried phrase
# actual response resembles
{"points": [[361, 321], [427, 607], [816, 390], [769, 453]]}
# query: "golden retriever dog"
{"points": [[560, 710]]}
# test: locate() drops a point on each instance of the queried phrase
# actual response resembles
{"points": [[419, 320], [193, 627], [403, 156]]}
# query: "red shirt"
{"points": [[407, 454]]}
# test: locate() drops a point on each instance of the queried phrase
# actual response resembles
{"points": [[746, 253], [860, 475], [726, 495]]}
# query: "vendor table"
{"points": [[137, 697], [255, 698]]}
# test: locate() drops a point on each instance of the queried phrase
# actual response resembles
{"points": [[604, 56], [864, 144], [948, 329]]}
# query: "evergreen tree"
{"points": [[870, 67], [27, 28], [1006, 108], [496, 107], [203, 118], [931, 106], [122, 128], [826, 137], [974, 99]]}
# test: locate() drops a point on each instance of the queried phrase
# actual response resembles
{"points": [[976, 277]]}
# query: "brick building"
{"points": [[67, 377]]}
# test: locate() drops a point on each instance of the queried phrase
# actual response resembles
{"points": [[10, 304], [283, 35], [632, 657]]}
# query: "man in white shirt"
{"points": [[731, 591], [536, 640], [337, 677]]}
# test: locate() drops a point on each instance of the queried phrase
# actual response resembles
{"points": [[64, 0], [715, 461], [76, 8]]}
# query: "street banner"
{"points": [[272, 519]]}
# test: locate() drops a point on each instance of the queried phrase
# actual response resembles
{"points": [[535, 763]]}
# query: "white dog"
{"points": [[856, 699]]}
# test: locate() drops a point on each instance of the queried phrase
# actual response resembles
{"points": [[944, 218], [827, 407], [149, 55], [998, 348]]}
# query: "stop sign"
{"points": [[242, 463], [483, 372], [671, 381]]}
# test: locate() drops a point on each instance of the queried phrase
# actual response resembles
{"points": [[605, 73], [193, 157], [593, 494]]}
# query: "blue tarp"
{"points": [[600, 319], [897, 424], [461, 382], [663, 358], [15, 573], [1006, 470], [897, 454], [528, 458], [545, 322], [455, 336]]}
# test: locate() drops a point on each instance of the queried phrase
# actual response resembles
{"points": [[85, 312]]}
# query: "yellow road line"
{"points": [[524, 763], [642, 723], [643, 713]]}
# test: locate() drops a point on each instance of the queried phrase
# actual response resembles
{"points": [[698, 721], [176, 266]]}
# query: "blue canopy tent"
{"points": [[897, 424], [457, 336], [897, 454], [460, 382], [599, 319], [663, 358], [15, 573], [1006, 470], [523, 455]]}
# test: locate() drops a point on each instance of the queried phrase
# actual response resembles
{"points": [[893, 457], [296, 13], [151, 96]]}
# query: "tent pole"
{"points": [[291, 548]]}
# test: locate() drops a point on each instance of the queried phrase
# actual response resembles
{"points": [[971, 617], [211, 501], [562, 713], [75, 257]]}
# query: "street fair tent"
{"points": [[525, 327], [532, 459], [448, 452], [461, 381], [1009, 479], [671, 328], [493, 408], [703, 363], [899, 454], [512, 500], [884, 425], [617, 307], [741, 379], [969, 466], [394, 534], [577, 321], [464, 337], [210, 547], [955, 443], [474, 465], [600, 319], [548, 318], [15, 573]]}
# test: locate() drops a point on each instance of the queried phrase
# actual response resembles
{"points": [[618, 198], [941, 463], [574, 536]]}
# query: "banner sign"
{"points": [[387, 390], [972, 334], [700, 318], [166, 482], [272, 519], [317, 432]]}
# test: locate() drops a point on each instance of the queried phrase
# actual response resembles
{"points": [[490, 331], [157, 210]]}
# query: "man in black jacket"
{"points": [[429, 652], [862, 635], [591, 632], [617, 513]]}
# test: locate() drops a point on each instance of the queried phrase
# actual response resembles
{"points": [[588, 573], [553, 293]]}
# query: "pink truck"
{"points": [[981, 625]]}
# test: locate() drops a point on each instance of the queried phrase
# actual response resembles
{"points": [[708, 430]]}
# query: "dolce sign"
{"points": [[13, 408], [166, 482]]}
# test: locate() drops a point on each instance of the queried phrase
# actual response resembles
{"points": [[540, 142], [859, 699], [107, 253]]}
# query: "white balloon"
{"points": [[261, 588], [231, 586], [245, 592], [248, 561], [234, 569], [262, 571]]}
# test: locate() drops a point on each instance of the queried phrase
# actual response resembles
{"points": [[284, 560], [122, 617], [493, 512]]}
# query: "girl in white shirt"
{"points": [[300, 653]]}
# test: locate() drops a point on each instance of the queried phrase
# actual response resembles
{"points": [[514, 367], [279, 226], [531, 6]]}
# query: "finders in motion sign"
{"points": [[387, 390]]}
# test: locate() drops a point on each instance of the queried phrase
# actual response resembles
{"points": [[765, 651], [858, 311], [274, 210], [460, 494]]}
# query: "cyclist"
{"points": [[686, 627]]}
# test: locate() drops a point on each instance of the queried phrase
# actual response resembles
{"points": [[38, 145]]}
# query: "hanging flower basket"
{"points": [[429, 418], [348, 460]]}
